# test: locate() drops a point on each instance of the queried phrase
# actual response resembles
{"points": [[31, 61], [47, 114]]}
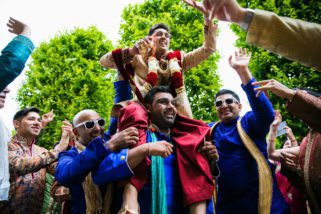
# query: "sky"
{"points": [[48, 18]]}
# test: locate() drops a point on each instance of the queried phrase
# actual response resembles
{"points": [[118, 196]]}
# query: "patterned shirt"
{"points": [[27, 165]]}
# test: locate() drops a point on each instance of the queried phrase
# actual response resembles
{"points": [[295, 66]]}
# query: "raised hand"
{"points": [[275, 87], [277, 120], [47, 118], [143, 46], [206, 7], [161, 148], [66, 130], [66, 136], [17, 27], [289, 159], [240, 60], [123, 139], [197, 5], [291, 137]]}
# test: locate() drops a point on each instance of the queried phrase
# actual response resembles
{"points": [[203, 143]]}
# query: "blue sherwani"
{"points": [[173, 186], [238, 181], [73, 167]]}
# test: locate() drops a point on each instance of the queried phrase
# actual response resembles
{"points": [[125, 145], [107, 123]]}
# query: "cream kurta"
{"points": [[294, 39], [189, 60]]}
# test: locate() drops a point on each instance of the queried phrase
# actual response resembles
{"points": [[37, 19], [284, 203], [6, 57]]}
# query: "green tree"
{"points": [[186, 25], [65, 76], [266, 65]]}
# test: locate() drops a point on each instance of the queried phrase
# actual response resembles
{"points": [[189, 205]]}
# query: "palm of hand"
{"points": [[239, 62]]}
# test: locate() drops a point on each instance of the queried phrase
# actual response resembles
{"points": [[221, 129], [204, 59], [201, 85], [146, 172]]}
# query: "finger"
{"points": [[203, 148], [131, 132], [262, 82], [134, 138], [258, 93], [146, 40], [236, 53], [168, 144]]}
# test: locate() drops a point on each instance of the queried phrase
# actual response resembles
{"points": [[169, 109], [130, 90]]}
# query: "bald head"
{"points": [[82, 115], [85, 135]]}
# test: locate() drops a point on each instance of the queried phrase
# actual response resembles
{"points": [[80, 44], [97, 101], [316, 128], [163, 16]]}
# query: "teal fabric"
{"points": [[49, 206], [13, 58], [159, 205]]}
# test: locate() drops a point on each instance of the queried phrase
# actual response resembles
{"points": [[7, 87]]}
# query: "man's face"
{"points": [[229, 109], [163, 110], [3, 95], [29, 126], [85, 135], [161, 39]]}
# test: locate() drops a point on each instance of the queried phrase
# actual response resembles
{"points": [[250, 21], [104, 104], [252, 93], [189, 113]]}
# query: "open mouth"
{"points": [[163, 43]]}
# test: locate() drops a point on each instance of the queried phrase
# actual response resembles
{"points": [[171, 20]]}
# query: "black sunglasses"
{"points": [[91, 124], [228, 101]]}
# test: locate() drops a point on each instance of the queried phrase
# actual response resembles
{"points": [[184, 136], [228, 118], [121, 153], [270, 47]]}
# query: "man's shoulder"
{"points": [[72, 152]]}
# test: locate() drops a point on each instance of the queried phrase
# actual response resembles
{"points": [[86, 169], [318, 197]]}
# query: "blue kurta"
{"points": [[174, 197], [173, 186], [238, 181], [13, 58], [73, 167]]}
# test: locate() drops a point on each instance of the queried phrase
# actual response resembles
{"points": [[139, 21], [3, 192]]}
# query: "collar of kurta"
{"points": [[18, 139], [154, 128]]}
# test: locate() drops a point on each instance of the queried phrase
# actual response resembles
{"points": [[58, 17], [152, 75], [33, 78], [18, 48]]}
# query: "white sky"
{"points": [[47, 18]]}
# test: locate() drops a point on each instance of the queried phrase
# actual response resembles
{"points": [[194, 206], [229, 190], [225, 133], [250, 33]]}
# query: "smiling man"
{"points": [[155, 64], [28, 163], [246, 182], [174, 180]]}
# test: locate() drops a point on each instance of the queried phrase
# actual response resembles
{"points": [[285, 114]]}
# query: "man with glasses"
{"points": [[92, 146], [246, 182]]}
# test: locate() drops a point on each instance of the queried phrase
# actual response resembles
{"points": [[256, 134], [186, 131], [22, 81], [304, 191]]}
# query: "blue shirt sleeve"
{"points": [[113, 168], [262, 114], [122, 91], [73, 167], [13, 58]]}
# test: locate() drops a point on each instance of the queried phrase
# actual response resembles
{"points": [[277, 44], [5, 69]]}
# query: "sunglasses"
{"points": [[91, 124], [228, 101]]}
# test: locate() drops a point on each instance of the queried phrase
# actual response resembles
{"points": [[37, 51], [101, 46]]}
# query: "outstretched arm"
{"points": [[195, 57], [262, 113], [140, 47], [118, 166], [15, 54], [291, 38], [303, 105]]}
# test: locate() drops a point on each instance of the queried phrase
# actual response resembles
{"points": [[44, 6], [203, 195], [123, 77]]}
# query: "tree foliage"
{"points": [[266, 65], [65, 76], [186, 25]]}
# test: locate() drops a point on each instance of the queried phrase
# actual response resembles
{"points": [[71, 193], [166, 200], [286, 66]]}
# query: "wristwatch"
{"points": [[247, 19]]}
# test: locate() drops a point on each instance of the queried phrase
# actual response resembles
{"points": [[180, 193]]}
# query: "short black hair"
{"points": [[149, 98], [24, 112], [227, 91], [158, 26]]}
